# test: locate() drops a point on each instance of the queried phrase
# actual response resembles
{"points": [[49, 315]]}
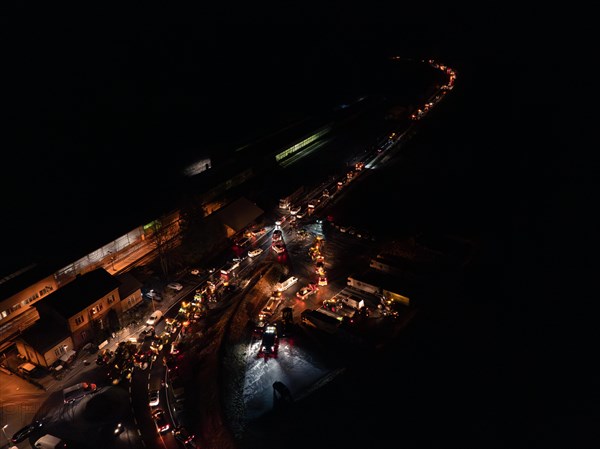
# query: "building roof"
{"points": [[44, 335], [15, 281], [78, 294], [129, 284], [390, 282], [239, 214]]}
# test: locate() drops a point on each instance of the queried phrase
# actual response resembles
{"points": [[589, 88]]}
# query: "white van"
{"points": [[154, 318], [50, 442]]}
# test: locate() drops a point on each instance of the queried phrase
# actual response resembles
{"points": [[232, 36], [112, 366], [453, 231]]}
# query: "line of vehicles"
{"points": [[329, 314], [326, 317]]}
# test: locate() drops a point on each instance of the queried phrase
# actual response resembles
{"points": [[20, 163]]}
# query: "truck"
{"points": [[269, 342], [49, 442], [286, 202], [352, 301], [282, 286], [228, 270], [77, 391], [317, 319]]}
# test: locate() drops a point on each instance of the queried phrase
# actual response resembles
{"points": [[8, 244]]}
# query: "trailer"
{"points": [[319, 320], [282, 286], [78, 391]]}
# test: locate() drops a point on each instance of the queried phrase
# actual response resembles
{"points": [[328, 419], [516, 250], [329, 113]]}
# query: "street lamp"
{"points": [[112, 260], [4, 432]]}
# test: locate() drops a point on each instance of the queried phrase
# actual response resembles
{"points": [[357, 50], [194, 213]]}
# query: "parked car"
{"points": [[153, 294], [175, 286], [154, 318], [147, 332], [160, 419], [24, 432], [195, 272]]}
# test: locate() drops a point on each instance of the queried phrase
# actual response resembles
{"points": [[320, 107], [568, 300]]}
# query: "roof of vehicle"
{"points": [[48, 439]]}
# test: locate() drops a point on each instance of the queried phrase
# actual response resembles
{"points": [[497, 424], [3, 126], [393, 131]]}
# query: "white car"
{"points": [[175, 286], [195, 272], [255, 252], [154, 398], [154, 318]]}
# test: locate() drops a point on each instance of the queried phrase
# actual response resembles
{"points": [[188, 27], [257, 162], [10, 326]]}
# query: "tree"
{"points": [[165, 237]]}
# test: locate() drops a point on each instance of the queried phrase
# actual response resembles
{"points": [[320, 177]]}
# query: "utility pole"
{"points": [[112, 260]]}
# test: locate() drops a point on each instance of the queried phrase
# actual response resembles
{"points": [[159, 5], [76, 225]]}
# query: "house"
{"points": [[87, 306], [46, 343], [130, 292]]}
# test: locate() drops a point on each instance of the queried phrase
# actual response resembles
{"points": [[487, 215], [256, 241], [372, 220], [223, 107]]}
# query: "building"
{"points": [[46, 343], [18, 293], [387, 286], [87, 307], [130, 293], [212, 184]]}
